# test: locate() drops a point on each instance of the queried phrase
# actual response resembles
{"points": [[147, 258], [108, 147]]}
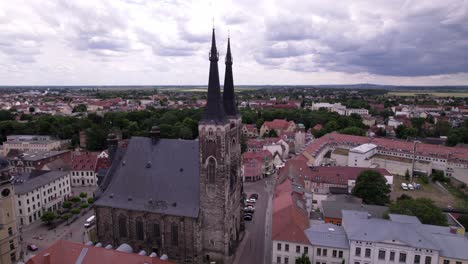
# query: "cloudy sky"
{"points": [[144, 42]]}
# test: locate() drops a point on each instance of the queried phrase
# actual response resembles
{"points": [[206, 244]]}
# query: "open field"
{"points": [[443, 198], [436, 94]]}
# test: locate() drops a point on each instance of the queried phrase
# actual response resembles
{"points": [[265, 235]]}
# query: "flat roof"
{"points": [[364, 148]]}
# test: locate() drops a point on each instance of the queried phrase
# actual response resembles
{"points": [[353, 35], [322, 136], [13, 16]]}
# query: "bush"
{"points": [[75, 211], [84, 205], [67, 205], [90, 200], [424, 179], [66, 216], [462, 185], [83, 195], [439, 176]]}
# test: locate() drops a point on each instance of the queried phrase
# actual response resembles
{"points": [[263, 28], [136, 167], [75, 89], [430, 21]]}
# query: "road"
{"points": [[256, 245], [38, 234]]}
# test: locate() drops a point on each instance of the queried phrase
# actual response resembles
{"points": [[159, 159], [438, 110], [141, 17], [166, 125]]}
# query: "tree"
{"points": [[84, 205], [407, 175], [6, 115], [272, 133], [75, 211], [67, 205], [353, 131], [372, 187], [48, 217], [32, 109], [83, 195], [90, 200], [303, 259], [463, 219], [81, 108], [75, 199], [424, 209]]}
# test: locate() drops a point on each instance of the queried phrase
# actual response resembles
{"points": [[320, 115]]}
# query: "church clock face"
{"points": [[5, 192]]}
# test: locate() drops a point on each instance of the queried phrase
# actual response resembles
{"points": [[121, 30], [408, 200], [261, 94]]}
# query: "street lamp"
{"points": [[414, 157]]}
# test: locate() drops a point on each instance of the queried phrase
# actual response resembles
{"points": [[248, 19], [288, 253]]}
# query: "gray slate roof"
{"points": [[333, 209], [327, 235], [169, 185], [28, 182]]}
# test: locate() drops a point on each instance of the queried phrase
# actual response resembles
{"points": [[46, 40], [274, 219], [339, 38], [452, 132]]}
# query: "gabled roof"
{"points": [[280, 124], [148, 178], [327, 235], [289, 219]]}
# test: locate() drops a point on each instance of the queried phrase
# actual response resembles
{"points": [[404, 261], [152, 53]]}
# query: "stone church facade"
{"points": [[182, 198]]}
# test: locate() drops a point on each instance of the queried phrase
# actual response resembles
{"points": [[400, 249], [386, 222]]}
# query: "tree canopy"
{"points": [[48, 217], [424, 209], [372, 188], [303, 259]]}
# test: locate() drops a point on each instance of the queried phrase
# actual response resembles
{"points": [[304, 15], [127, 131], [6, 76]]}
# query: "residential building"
{"points": [[257, 165], [85, 166], [279, 125], [329, 244], [333, 206], [290, 220], [38, 192], [35, 160], [395, 155], [249, 131], [64, 251], [360, 156], [179, 197], [9, 247], [33, 143]]}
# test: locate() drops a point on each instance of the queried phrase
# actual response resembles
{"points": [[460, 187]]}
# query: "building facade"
{"points": [[33, 143], [9, 248], [186, 205], [39, 192]]}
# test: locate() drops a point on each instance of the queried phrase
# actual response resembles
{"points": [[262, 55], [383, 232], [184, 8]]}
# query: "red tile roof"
{"points": [[84, 161], [454, 154], [289, 221], [277, 124], [64, 251]]}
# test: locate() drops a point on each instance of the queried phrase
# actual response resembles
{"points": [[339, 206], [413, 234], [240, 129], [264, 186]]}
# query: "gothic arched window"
{"points": [[123, 226], [211, 170], [174, 234], [139, 229], [157, 233]]}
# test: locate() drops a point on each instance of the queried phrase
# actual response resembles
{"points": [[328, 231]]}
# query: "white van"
{"points": [[90, 221], [404, 186]]}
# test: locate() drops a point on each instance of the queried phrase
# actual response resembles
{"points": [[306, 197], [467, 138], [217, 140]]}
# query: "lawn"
{"points": [[441, 197]]}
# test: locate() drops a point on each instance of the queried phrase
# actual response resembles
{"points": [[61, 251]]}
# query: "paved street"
{"points": [[38, 234], [256, 245]]}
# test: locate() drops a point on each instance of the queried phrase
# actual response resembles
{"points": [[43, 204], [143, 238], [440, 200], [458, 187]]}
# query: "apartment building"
{"points": [[33, 143], [38, 192]]}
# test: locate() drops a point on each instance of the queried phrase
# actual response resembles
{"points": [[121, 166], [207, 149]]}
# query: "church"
{"points": [[182, 198]]}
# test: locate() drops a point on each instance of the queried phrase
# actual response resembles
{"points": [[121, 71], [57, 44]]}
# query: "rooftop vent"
{"points": [[130, 198], [174, 204], [331, 229], [181, 169], [111, 195], [148, 164]]}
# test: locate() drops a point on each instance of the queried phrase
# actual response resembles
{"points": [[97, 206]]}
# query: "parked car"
{"points": [[249, 209], [410, 186], [248, 217], [404, 186], [32, 247], [251, 200]]}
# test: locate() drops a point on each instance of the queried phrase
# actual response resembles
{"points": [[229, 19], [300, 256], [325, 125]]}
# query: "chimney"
{"points": [[112, 144], [155, 134]]}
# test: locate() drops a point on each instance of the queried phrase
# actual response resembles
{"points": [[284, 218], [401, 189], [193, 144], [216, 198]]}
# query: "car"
{"points": [[410, 186], [249, 209], [248, 217], [254, 196], [251, 200], [404, 186], [32, 247], [90, 221]]}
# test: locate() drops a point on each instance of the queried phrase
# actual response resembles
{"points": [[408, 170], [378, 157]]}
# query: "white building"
{"points": [[329, 244], [33, 143], [359, 111], [39, 192], [360, 156], [84, 168]]}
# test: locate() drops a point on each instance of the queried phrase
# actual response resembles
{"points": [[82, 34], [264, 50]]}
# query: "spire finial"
{"points": [[213, 21]]}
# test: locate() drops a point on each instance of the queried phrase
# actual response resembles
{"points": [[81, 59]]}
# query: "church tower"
{"points": [[220, 183]]}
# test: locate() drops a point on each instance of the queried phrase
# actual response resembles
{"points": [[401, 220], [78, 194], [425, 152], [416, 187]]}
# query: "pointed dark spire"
{"points": [[214, 110], [229, 100]]}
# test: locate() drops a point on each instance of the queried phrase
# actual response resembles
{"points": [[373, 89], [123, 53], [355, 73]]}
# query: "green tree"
{"points": [[372, 187], [81, 108], [48, 217], [67, 205], [75, 211], [83, 195], [6, 115], [75, 199], [272, 133], [353, 131], [90, 200], [303, 259], [84, 205], [424, 209], [32, 109], [407, 175]]}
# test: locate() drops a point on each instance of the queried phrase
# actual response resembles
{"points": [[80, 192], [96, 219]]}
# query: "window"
{"points": [[12, 245], [334, 253], [402, 258], [319, 252], [157, 234], [306, 250], [286, 247], [10, 231], [123, 226], [368, 252], [392, 255], [324, 252], [381, 254], [139, 229], [286, 260], [278, 260], [27, 201], [211, 170], [298, 249], [19, 203], [174, 234], [13, 257], [279, 246], [340, 254], [428, 260], [417, 259], [358, 252]]}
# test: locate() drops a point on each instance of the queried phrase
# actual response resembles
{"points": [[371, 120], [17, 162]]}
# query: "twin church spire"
{"points": [[218, 109]]}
